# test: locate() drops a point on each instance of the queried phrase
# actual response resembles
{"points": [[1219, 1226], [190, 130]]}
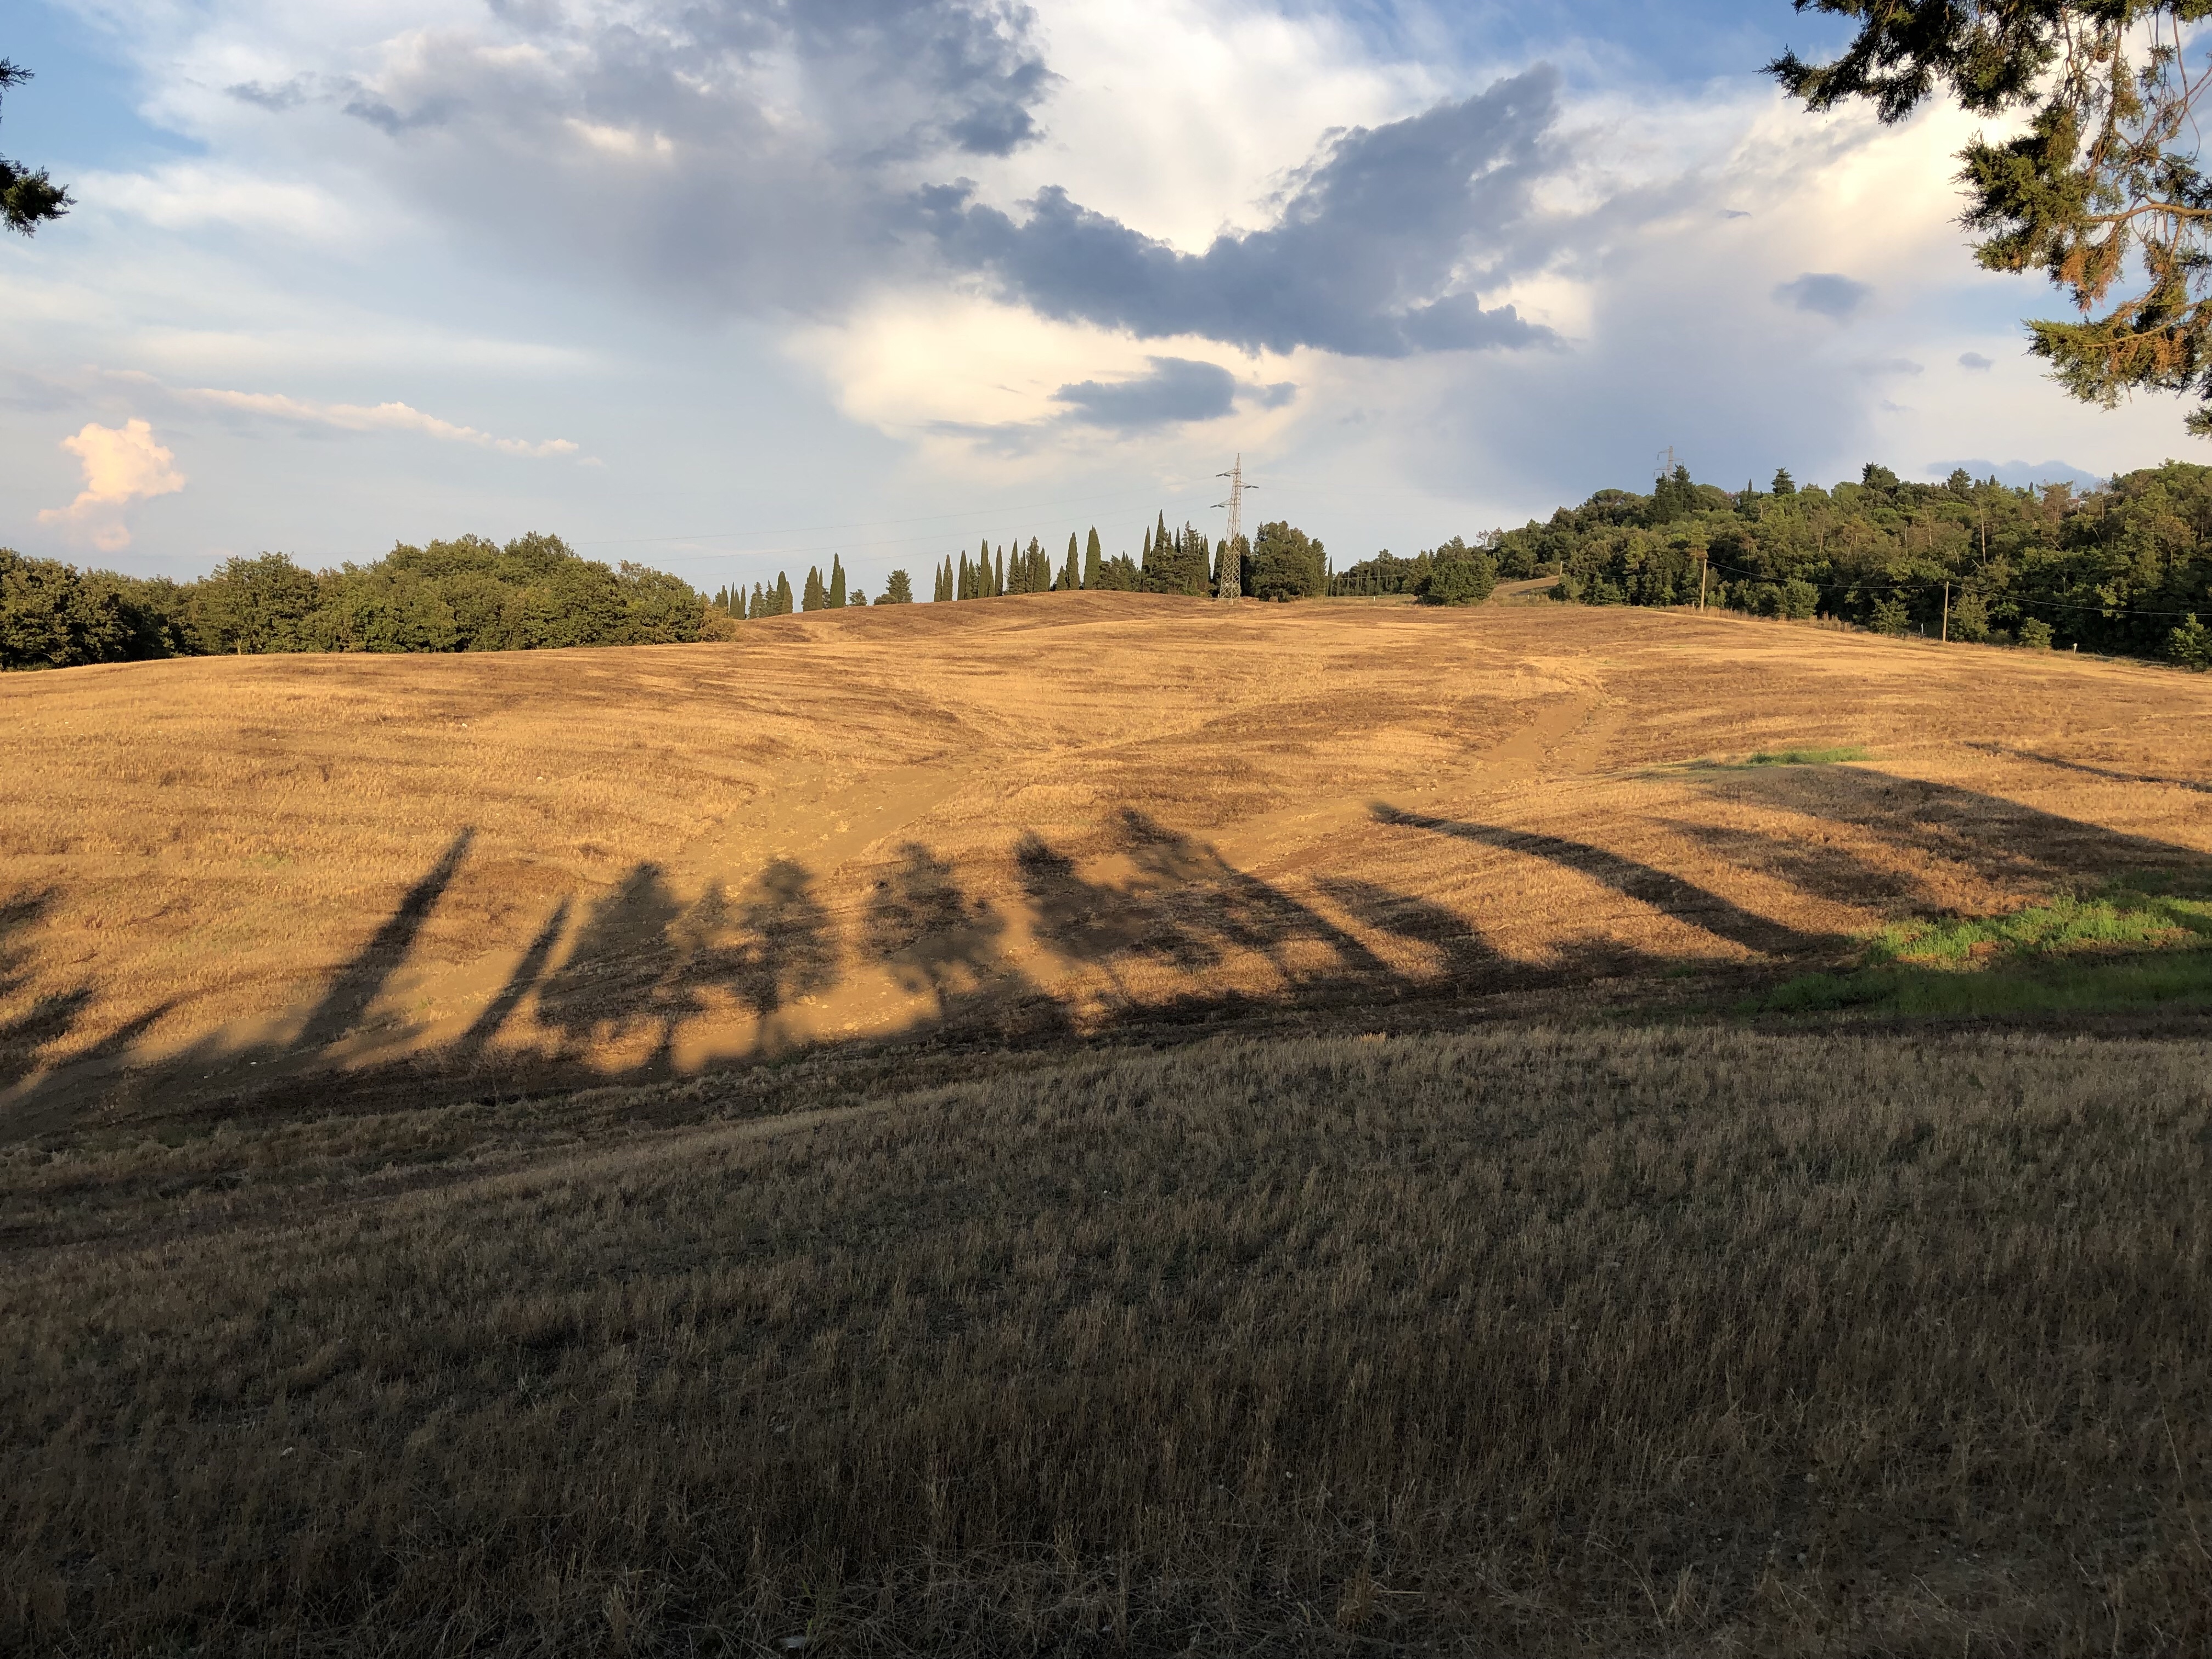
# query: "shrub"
{"points": [[2190, 644], [2035, 633], [1969, 618], [1889, 617], [1468, 579]]}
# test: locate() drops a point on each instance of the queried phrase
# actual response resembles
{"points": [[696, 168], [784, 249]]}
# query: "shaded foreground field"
{"points": [[1015, 821], [1526, 1341]]}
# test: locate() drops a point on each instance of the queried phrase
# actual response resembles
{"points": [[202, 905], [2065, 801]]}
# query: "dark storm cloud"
{"points": [[1177, 389], [899, 76], [1370, 255], [1824, 293], [741, 155]]}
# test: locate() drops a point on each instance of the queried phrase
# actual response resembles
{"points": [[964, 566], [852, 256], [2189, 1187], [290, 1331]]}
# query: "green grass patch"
{"points": [[1781, 757], [2119, 950], [2063, 987], [2118, 920], [1807, 757]]}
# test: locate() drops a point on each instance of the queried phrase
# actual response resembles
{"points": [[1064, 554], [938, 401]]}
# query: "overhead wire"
{"points": [[1927, 586]]}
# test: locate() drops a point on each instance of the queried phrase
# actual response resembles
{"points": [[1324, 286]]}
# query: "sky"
{"points": [[727, 286]]}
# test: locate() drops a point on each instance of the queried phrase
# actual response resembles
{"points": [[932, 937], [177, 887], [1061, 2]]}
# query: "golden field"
{"points": [[1056, 812], [1100, 1124]]}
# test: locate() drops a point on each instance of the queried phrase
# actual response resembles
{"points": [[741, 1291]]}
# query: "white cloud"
{"points": [[679, 231], [122, 465], [378, 418]]}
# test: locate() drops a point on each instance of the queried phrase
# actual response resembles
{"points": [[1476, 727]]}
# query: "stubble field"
{"points": [[1084, 1124]]}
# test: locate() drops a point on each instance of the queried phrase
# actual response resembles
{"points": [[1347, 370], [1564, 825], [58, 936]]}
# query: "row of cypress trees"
{"points": [[819, 595], [1171, 561]]}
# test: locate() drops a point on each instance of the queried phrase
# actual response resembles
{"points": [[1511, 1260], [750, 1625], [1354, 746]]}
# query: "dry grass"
{"points": [[1520, 1342], [650, 1151], [1070, 812]]}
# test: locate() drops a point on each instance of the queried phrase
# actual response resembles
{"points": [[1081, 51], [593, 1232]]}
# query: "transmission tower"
{"points": [[1232, 560]]}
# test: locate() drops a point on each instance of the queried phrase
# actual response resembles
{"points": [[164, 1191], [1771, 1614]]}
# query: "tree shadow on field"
{"points": [[2105, 772], [1150, 927], [53, 1014], [1183, 907], [345, 1004], [940, 941], [1661, 889], [626, 974], [2000, 840]]}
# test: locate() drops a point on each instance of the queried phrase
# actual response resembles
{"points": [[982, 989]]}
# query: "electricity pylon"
{"points": [[1232, 558]]}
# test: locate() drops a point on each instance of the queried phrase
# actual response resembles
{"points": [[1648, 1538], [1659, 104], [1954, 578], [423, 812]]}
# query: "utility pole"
{"points": [[1946, 613], [1232, 555], [1704, 558]]}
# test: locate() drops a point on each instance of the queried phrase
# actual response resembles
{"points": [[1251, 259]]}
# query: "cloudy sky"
{"points": [[725, 285]]}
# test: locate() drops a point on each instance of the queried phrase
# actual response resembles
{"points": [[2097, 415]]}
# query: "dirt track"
{"points": [[1041, 812]]}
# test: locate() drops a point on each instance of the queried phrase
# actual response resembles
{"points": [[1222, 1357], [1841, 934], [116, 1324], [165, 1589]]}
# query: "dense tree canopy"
{"points": [[2123, 568], [467, 594], [1451, 573], [2101, 191], [1286, 564]]}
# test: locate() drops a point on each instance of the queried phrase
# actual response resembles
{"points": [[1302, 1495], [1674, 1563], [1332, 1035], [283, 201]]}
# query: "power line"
{"points": [[1927, 586]]}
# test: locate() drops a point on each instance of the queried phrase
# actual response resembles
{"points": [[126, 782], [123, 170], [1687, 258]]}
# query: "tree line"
{"points": [[2125, 569], [466, 594], [474, 594], [1280, 562]]}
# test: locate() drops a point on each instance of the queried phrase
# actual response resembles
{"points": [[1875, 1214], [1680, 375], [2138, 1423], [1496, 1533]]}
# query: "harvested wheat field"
{"points": [[1099, 1124], [1052, 813]]}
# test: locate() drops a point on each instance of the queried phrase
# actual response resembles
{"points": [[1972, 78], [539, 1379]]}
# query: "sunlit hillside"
{"points": [[1062, 812]]}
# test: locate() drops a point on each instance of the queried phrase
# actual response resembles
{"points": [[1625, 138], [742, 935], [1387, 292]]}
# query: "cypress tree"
{"points": [[836, 583], [1070, 577], [760, 602], [1092, 557], [812, 596], [998, 576], [782, 594]]}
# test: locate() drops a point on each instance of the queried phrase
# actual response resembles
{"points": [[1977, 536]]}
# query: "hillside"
{"points": [[1027, 814], [1086, 1123]]}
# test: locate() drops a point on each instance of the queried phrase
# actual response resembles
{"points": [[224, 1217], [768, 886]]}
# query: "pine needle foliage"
{"points": [[2102, 191], [28, 199]]}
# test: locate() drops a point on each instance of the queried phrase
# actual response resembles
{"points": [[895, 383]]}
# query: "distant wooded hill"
{"points": [[2125, 569]]}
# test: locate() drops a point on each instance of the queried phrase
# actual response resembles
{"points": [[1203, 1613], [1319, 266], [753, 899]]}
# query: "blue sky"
{"points": [[728, 285]]}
